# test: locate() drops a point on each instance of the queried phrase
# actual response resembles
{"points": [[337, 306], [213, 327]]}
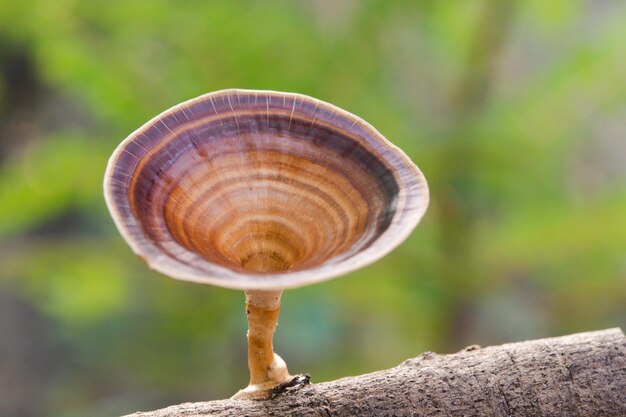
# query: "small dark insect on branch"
{"points": [[297, 382]]}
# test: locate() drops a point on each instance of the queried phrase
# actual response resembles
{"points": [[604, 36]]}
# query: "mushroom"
{"points": [[261, 191]]}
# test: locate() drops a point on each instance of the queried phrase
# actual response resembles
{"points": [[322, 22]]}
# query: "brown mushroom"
{"points": [[261, 191]]}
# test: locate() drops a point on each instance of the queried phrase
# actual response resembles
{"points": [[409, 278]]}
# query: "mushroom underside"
{"points": [[237, 184], [263, 196]]}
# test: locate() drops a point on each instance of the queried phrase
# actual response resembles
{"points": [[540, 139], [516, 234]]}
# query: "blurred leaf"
{"points": [[48, 178]]}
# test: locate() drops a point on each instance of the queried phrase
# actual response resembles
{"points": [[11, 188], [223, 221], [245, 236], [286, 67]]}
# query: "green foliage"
{"points": [[525, 236], [48, 178]]}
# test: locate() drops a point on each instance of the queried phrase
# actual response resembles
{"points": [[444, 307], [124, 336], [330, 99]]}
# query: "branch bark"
{"points": [[578, 375]]}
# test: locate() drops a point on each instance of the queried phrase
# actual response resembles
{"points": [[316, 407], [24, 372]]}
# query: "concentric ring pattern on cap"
{"points": [[261, 190]]}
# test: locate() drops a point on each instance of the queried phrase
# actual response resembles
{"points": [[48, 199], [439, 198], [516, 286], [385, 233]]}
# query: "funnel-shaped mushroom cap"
{"points": [[261, 190]]}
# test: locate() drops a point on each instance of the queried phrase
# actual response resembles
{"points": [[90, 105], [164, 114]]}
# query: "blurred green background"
{"points": [[514, 110]]}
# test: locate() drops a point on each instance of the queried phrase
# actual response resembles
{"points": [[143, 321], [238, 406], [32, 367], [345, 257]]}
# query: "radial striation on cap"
{"points": [[261, 190]]}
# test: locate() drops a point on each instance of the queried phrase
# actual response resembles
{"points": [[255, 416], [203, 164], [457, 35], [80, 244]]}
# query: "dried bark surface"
{"points": [[578, 375]]}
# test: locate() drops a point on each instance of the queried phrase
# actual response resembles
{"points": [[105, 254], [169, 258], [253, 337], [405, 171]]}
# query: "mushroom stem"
{"points": [[267, 369]]}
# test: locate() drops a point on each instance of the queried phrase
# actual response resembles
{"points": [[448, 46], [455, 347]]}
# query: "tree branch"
{"points": [[578, 375]]}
